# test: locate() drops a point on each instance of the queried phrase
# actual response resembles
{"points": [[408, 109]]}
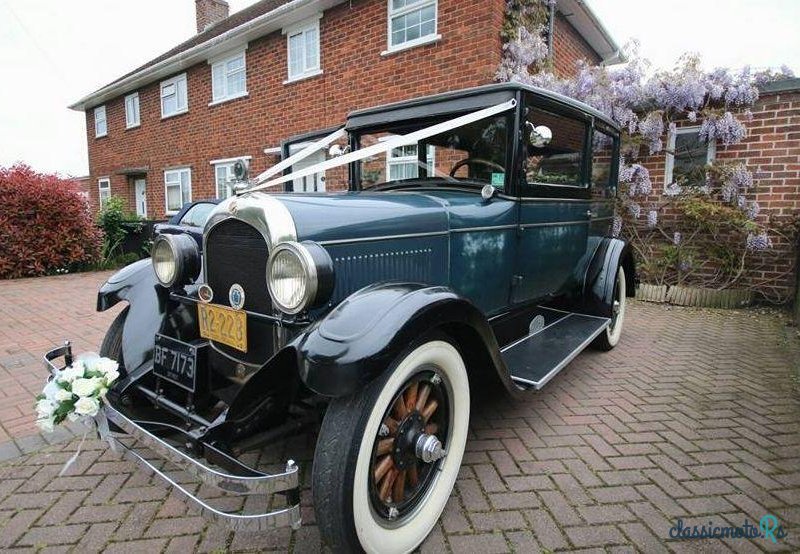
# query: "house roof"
{"points": [[267, 16], [582, 17]]}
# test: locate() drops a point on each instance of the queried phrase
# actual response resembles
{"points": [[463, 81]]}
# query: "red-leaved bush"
{"points": [[45, 224]]}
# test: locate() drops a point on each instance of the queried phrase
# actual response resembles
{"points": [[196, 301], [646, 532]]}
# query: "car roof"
{"points": [[462, 100]]}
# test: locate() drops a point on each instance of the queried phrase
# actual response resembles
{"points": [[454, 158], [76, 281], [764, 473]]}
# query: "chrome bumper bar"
{"points": [[252, 482]]}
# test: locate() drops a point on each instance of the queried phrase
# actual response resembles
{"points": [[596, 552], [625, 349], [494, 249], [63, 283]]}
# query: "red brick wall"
{"points": [[772, 152], [353, 35], [568, 47], [356, 75]]}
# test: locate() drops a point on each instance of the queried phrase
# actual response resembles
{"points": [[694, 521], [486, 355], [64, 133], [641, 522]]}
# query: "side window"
{"points": [[197, 215], [687, 157], [561, 161], [604, 151]]}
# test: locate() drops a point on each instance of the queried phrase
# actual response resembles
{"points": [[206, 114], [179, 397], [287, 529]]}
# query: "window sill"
{"points": [[101, 136], [133, 127], [303, 77], [228, 99], [175, 114], [171, 213], [430, 39]]}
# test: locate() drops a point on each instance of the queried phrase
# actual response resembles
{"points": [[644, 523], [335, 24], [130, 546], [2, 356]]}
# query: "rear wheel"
{"points": [[387, 456], [112, 343], [610, 337]]}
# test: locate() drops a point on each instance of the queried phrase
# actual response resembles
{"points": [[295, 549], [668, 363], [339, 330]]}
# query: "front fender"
{"points": [[365, 333], [147, 299]]}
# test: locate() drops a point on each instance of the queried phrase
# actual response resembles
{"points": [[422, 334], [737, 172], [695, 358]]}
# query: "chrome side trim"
{"points": [[290, 516], [384, 237], [555, 223], [236, 484], [488, 228]]}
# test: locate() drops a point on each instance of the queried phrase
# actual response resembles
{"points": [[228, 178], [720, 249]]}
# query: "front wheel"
{"points": [[609, 338], [387, 457]]}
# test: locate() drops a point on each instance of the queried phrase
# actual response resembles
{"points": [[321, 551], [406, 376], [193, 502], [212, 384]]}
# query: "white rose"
{"points": [[85, 387], [111, 376], [75, 371], [87, 406], [102, 392], [62, 395], [106, 366], [46, 424], [72, 416], [44, 408], [50, 390]]}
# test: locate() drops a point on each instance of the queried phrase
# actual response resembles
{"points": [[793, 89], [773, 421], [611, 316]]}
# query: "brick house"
{"points": [[772, 151], [169, 131]]}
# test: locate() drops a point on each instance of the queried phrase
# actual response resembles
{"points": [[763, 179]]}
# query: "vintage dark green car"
{"points": [[473, 248]]}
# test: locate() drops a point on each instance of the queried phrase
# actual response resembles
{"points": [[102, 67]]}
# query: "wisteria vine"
{"points": [[647, 105]]}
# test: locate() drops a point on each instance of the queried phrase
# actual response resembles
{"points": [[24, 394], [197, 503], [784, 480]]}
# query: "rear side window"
{"points": [[604, 151], [561, 161]]}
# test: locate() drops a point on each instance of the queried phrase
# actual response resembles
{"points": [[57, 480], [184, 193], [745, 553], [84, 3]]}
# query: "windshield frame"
{"points": [[436, 181]]}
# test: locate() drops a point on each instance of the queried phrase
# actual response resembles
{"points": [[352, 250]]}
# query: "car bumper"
{"points": [[136, 435]]}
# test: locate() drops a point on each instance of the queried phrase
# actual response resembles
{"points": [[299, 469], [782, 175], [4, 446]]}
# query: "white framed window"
{"points": [[403, 162], [223, 175], [104, 186], [132, 111], [177, 188], [228, 78], [411, 23], [687, 157], [303, 49], [100, 123], [174, 96]]}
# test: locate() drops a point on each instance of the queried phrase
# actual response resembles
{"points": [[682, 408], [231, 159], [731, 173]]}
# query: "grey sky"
{"points": [[53, 52]]}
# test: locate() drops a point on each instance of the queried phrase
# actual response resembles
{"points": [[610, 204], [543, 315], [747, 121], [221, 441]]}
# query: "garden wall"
{"points": [[771, 151]]}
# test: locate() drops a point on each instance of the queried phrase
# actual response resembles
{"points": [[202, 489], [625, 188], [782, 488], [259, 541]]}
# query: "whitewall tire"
{"points": [[610, 337], [421, 445]]}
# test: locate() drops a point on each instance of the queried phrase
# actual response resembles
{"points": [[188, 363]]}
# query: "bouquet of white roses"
{"points": [[76, 392]]}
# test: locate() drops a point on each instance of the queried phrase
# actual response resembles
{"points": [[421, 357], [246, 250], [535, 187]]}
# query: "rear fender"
{"points": [[365, 333], [147, 299], [598, 289]]}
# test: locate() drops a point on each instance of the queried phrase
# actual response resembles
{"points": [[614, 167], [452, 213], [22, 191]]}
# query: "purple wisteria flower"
{"points": [[691, 116], [759, 242], [616, 226], [652, 128], [685, 265], [753, 208], [638, 176], [726, 129], [652, 219], [676, 238], [635, 210], [740, 177], [729, 192], [673, 189], [741, 201]]}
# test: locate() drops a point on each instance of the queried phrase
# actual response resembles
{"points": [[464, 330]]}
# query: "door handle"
{"points": [[590, 214]]}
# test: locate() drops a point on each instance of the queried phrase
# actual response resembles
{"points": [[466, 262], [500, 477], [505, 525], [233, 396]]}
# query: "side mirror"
{"points": [[539, 136]]}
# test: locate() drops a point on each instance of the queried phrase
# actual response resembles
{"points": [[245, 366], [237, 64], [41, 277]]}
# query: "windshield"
{"points": [[474, 154]]}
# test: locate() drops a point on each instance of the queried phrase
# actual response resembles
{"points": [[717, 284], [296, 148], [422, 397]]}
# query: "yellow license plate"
{"points": [[223, 324]]}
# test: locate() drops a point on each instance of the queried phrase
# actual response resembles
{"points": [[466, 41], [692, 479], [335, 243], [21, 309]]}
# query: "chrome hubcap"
{"points": [[429, 448]]}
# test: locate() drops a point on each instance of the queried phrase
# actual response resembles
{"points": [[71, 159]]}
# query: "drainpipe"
{"points": [[550, 30]]}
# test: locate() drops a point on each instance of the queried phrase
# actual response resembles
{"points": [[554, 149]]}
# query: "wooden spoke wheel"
{"points": [[388, 455], [411, 442]]}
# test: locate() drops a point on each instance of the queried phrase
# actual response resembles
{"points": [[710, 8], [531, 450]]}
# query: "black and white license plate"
{"points": [[176, 362]]}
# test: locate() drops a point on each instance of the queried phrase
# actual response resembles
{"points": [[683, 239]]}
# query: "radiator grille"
{"points": [[237, 253]]}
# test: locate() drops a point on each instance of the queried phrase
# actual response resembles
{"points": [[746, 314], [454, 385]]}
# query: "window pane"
{"points": [[561, 161], [398, 4], [186, 186], [173, 198], [236, 83], [312, 49], [235, 63], [691, 156], [602, 154], [296, 55], [218, 81], [181, 94]]}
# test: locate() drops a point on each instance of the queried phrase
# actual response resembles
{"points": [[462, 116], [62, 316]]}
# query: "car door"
{"points": [[555, 203]]}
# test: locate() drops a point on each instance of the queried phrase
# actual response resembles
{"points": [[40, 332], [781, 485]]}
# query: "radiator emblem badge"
{"points": [[236, 296]]}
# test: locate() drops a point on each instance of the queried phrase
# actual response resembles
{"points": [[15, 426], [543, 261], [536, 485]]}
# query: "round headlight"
{"points": [[176, 259], [299, 276]]}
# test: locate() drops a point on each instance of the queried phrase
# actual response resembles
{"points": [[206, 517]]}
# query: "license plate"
{"points": [[176, 362], [223, 324]]}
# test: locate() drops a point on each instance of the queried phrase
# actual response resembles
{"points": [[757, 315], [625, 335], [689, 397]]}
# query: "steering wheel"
{"points": [[470, 161]]}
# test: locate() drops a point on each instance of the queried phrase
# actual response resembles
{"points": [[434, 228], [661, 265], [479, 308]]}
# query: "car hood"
{"points": [[359, 215]]}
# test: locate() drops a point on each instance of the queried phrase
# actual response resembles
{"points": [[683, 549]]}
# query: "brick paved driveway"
{"points": [[696, 415]]}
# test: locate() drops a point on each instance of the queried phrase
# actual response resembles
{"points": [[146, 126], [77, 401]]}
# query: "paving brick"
{"points": [[479, 544], [597, 535]]}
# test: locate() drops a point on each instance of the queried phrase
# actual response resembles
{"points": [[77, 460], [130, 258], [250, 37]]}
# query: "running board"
{"points": [[536, 358]]}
